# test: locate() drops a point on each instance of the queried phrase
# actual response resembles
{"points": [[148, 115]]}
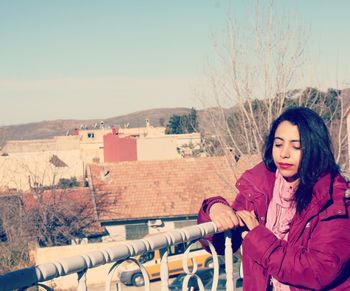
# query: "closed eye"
{"points": [[296, 145]]}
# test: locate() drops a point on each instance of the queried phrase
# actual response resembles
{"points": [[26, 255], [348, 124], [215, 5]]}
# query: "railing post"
{"points": [[82, 281], [164, 272], [229, 261]]}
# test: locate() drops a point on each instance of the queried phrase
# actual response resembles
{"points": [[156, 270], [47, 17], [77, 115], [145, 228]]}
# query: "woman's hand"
{"points": [[224, 217], [248, 218]]}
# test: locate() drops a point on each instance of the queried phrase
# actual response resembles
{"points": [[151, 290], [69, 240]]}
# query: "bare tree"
{"points": [[56, 216], [60, 213], [48, 216], [251, 80], [13, 234], [257, 62]]}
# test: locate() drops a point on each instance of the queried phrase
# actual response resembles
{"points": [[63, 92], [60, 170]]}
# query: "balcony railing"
{"points": [[36, 275]]}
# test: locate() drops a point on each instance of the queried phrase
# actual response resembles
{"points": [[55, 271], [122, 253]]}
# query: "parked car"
{"points": [[206, 276], [130, 274]]}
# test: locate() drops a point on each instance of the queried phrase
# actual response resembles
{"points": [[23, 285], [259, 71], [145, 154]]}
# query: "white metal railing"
{"points": [[25, 278]]}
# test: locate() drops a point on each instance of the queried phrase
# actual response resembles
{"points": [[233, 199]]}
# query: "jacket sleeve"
{"points": [[203, 216], [218, 240], [316, 266]]}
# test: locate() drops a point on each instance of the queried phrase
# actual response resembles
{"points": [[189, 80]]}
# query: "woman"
{"points": [[292, 211]]}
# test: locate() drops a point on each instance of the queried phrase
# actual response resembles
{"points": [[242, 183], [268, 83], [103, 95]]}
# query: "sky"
{"points": [[88, 59]]}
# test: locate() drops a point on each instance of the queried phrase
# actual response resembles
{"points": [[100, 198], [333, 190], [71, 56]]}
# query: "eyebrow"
{"points": [[293, 140]]}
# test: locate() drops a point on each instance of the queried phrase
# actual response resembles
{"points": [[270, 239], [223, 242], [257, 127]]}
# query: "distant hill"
{"points": [[48, 129]]}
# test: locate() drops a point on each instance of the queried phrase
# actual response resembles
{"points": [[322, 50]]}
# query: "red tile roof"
{"points": [[52, 196], [141, 189]]}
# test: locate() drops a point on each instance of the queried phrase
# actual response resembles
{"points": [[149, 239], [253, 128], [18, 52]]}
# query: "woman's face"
{"points": [[286, 151]]}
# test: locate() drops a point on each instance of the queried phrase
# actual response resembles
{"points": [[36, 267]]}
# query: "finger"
{"points": [[248, 219], [234, 219], [231, 218], [246, 213], [243, 215], [218, 224], [222, 224], [229, 221], [244, 234], [240, 218]]}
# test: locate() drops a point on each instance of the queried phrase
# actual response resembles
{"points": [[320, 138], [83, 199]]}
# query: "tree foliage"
{"points": [[180, 124], [68, 183]]}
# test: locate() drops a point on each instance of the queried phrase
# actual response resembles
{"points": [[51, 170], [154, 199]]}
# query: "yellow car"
{"points": [[130, 274]]}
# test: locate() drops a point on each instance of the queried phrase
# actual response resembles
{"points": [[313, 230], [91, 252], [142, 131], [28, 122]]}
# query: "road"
{"points": [[155, 286]]}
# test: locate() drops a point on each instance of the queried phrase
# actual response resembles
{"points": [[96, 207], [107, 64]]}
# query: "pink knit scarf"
{"points": [[280, 213]]}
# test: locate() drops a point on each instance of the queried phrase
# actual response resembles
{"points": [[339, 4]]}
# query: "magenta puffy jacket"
{"points": [[317, 253]]}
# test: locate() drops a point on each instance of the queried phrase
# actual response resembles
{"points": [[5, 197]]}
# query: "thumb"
{"points": [[244, 234]]}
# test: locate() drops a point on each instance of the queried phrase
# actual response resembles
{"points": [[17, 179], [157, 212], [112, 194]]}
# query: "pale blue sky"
{"points": [[97, 59]]}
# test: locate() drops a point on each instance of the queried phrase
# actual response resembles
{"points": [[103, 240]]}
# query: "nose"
{"points": [[285, 152]]}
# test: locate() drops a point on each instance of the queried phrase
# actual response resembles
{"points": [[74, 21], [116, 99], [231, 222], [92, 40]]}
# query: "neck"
{"points": [[292, 179]]}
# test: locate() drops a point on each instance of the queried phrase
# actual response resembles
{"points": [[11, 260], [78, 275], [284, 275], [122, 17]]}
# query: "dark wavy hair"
{"points": [[316, 146]]}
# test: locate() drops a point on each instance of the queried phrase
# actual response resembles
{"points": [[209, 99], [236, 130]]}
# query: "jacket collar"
{"points": [[256, 182], [330, 199], [260, 181], [324, 203]]}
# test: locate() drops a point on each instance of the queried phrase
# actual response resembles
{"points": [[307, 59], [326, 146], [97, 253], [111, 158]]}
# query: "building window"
{"points": [[136, 231], [91, 135], [182, 247]]}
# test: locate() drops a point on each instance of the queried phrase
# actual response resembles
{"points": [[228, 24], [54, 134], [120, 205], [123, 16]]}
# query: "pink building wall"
{"points": [[117, 149]]}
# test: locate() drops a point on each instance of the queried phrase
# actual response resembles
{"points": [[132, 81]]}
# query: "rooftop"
{"points": [[146, 189]]}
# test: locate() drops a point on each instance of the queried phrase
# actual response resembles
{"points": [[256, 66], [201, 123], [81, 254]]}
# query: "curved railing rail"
{"points": [[24, 278]]}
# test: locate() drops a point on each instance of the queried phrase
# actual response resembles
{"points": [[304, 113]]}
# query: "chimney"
{"points": [[115, 131]]}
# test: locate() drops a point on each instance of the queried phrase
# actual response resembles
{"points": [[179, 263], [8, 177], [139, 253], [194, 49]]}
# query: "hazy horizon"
{"points": [[93, 60]]}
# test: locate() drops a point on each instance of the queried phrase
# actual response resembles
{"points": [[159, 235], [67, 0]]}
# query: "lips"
{"points": [[285, 165]]}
